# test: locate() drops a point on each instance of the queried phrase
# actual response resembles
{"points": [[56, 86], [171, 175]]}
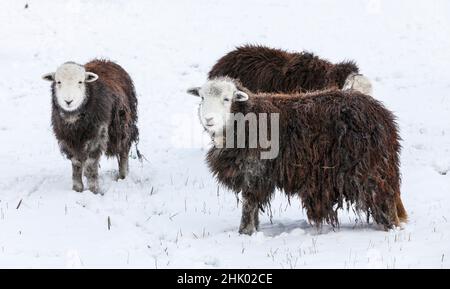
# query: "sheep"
{"points": [[94, 111], [336, 148], [263, 69]]}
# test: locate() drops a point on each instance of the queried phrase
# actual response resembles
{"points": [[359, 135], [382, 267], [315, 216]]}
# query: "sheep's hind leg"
{"points": [[384, 211], [250, 218], [123, 164], [77, 175]]}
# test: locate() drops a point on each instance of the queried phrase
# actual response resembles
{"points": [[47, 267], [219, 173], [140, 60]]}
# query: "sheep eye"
{"points": [[80, 82], [226, 99], [59, 82]]}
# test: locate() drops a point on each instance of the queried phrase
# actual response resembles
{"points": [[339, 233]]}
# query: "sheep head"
{"points": [[69, 82]]}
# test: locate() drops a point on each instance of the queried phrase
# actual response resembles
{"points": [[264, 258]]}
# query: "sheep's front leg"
{"points": [[250, 215], [123, 164], [95, 149], [91, 171], [77, 175]]}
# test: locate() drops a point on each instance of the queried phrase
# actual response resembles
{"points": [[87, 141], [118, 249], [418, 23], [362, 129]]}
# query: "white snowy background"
{"points": [[170, 211]]}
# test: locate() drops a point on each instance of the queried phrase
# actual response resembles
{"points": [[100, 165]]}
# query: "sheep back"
{"points": [[263, 69]]}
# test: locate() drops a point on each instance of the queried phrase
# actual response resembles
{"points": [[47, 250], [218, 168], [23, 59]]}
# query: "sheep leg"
{"points": [[250, 218], [77, 174], [123, 164], [95, 149], [384, 209], [256, 218], [91, 172]]}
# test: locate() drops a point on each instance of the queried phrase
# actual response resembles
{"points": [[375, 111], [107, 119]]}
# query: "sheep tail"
{"points": [[140, 156]]}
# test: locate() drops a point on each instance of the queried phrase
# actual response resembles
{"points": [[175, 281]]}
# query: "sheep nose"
{"points": [[68, 102]]}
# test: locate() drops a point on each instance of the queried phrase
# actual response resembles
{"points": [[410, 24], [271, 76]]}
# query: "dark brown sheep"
{"points": [[335, 148], [94, 111], [263, 69]]}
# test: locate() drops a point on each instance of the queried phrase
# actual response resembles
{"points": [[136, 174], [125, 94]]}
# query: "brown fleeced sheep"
{"points": [[263, 69], [336, 148], [94, 111]]}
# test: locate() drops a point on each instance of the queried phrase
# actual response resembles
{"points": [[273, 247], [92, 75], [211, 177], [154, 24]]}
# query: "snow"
{"points": [[170, 212]]}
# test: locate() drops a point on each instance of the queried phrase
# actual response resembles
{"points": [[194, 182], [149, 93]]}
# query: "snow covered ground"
{"points": [[170, 212]]}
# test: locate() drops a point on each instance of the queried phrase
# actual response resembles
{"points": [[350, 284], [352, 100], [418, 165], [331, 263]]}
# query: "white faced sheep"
{"points": [[264, 69], [94, 111], [334, 148]]}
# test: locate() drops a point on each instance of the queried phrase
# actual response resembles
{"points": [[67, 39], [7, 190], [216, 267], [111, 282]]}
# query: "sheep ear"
{"points": [[194, 91], [240, 96], [91, 77], [49, 76]]}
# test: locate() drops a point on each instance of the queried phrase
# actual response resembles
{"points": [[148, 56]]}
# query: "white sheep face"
{"points": [[359, 83], [217, 96], [70, 85]]}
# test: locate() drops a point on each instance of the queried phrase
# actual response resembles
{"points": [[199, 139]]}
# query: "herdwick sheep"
{"points": [[94, 111], [263, 69], [336, 148]]}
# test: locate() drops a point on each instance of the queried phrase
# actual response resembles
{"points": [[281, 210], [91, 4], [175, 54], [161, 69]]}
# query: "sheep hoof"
{"points": [[249, 230], [96, 192], [94, 189], [121, 176], [78, 187]]}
